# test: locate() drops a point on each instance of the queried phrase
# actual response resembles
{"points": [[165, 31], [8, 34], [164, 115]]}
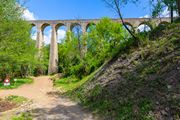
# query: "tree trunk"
{"points": [[171, 10], [119, 13], [178, 6]]}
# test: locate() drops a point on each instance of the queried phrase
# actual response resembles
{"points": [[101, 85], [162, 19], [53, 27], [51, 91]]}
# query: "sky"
{"points": [[79, 9]]}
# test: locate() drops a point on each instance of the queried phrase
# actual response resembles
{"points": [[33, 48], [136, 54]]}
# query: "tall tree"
{"points": [[115, 5], [178, 6], [159, 5], [16, 47]]}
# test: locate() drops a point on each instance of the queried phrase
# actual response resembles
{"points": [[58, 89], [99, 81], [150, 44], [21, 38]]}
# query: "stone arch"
{"points": [[89, 24], [34, 30], [130, 26], [146, 24], [76, 29], [59, 25], [43, 26], [75, 24], [163, 23], [61, 30], [33, 24], [46, 34]]}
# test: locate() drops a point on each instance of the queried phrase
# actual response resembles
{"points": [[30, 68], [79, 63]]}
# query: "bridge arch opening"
{"points": [[61, 30], [144, 27], [34, 32], [76, 29], [90, 27], [46, 30], [129, 26]]}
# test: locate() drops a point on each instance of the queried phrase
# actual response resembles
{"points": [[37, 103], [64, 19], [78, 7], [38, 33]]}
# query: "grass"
{"points": [[18, 100], [22, 116], [72, 83], [16, 84], [11, 102]]}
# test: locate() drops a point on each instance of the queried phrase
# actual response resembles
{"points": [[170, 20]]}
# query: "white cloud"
{"points": [[34, 33], [28, 15], [166, 13], [61, 35], [47, 36], [146, 16], [34, 36]]}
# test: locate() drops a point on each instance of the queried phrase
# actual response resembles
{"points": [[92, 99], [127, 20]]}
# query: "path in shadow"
{"points": [[62, 109]]}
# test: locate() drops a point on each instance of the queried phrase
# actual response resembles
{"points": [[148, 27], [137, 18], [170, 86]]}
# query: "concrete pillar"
{"points": [[83, 28], [84, 33], [53, 60], [39, 40], [68, 27]]}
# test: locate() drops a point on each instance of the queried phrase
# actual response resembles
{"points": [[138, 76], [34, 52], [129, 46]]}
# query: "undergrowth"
{"points": [[145, 89]]}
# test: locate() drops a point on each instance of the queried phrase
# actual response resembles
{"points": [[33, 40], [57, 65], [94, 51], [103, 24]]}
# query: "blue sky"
{"points": [[84, 9], [78, 9]]}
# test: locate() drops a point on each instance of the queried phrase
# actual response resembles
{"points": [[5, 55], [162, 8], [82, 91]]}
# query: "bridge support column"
{"points": [[84, 50], [68, 25], [39, 40], [53, 60]]}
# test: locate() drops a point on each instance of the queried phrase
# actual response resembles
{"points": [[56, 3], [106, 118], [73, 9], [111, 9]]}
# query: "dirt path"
{"points": [[48, 107]]}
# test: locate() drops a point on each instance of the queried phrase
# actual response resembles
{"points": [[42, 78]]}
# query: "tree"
{"points": [[178, 6], [159, 5], [171, 4], [115, 5], [17, 50]]}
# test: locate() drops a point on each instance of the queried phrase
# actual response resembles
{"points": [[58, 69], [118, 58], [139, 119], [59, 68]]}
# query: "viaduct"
{"points": [[134, 23]]}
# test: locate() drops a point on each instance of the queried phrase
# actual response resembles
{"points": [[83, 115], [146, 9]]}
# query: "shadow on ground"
{"points": [[62, 111]]}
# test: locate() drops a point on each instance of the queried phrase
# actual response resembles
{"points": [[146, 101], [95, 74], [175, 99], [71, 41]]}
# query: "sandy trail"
{"points": [[48, 107]]}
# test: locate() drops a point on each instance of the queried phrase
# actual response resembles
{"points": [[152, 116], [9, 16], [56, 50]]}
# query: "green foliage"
{"points": [[23, 116], [16, 84], [102, 41], [17, 50], [143, 82], [130, 111], [70, 84], [41, 67]]}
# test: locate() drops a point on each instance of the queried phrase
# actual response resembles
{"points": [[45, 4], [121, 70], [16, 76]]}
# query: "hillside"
{"points": [[141, 83]]}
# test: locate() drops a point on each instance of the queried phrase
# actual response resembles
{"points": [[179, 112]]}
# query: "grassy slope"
{"points": [[66, 85], [140, 84]]}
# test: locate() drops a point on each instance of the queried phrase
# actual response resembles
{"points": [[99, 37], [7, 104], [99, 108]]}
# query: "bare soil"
{"points": [[5, 105], [47, 106]]}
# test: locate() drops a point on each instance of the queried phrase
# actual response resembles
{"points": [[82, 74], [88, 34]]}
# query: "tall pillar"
{"points": [[39, 40], [68, 26], [53, 60], [84, 50]]}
